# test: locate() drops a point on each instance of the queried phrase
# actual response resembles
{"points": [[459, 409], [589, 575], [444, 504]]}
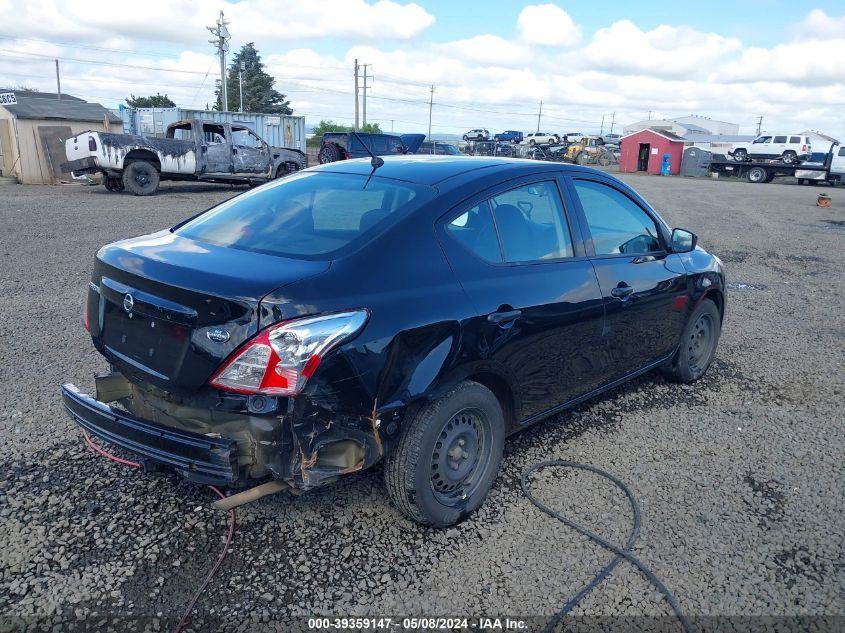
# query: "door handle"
{"points": [[504, 317], [622, 291]]}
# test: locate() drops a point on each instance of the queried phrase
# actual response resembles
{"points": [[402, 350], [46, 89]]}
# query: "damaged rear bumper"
{"points": [[80, 166], [197, 457]]}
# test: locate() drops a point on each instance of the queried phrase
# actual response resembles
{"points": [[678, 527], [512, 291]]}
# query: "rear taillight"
{"points": [[281, 359], [92, 144]]}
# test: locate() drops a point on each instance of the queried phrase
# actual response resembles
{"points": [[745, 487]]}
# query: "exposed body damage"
{"points": [[191, 150], [277, 337]]}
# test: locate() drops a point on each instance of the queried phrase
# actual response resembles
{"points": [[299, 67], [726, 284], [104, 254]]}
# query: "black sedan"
{"points": [[415, 311]]}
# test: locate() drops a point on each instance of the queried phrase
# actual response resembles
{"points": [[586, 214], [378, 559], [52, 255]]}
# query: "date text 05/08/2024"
{"points": [[417, 623]]}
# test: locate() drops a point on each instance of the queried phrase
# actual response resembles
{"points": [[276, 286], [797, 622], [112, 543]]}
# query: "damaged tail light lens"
{"points": [[281, 359]]}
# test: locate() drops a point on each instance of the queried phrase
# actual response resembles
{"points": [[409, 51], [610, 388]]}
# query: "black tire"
{"points": [[740, 155], [698, 344], [532, 142], [329, 154], [141, 178], [789, 157], [582, 158], [438, 484], [757, 175], [801, 181], [113, 183], [466, 138], [769, 178]]}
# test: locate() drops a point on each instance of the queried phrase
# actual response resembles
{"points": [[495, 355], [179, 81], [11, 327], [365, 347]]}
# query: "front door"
{"points": [[250, 153], [216, 150], [643, 286], [539, 307]]}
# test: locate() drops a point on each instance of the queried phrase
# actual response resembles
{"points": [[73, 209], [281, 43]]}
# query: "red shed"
{"points": [[643, 151]]}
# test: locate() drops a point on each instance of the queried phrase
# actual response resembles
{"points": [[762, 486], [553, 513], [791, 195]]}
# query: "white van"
{"points": [[789, 148]]}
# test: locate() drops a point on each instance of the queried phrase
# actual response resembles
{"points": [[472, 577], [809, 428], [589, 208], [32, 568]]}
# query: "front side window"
{"points": [[243, 137], [531, 223], [617, 224], [309, 215], [762, 139]]}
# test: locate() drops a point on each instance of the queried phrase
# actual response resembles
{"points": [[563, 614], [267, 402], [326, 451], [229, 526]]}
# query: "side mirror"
{"points": [[683, 241]]}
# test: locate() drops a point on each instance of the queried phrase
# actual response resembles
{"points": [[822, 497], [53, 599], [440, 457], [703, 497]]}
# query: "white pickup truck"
{"points": [[191, 150]]}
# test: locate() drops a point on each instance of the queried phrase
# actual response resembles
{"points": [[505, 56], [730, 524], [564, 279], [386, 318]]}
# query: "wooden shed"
{"points": [[643, 151], [33, 132]]}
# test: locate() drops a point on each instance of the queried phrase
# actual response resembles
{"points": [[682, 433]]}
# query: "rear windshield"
{"points": [[309, 215]]}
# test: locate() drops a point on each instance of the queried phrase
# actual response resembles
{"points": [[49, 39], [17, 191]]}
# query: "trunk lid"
{"points": [[168, 309]]}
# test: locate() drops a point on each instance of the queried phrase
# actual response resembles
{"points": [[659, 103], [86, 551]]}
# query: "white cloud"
{"points": [[184, 21], [818, 25], [791, 63], [548, 24], [667, 51], [489, 50]]}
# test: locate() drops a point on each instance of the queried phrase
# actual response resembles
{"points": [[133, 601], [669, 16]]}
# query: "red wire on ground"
{"points": [[184, 619]]}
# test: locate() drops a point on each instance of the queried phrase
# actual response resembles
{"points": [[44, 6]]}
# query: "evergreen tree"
{"points": [[154, 101], [259, 94]]}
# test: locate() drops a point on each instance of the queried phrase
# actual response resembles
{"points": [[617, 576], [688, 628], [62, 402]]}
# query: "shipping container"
{"points": [[278, 130]]}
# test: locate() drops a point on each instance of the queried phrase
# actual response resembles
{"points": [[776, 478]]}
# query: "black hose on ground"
{"points": [[623, 553]]}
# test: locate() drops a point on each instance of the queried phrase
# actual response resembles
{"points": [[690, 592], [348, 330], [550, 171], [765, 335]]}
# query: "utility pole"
{"points": [[601, 133], [364, 115], [356, 95], [612, 120], [539, 114], [58, 83], [649, 114], [241, 83], [221, 41], [430, 106], [759, 124]]}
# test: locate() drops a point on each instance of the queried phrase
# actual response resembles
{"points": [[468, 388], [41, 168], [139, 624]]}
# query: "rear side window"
{"points": [[617, 224], [841, 151], [779, 139], [308, 215], [794, 139], [531, 223], [474, 229]]}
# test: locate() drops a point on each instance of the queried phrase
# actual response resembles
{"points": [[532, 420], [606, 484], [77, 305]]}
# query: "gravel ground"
{"points": [[740, 476]]}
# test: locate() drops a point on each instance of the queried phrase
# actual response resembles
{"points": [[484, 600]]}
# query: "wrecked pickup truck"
{"points": [[191, 150]]}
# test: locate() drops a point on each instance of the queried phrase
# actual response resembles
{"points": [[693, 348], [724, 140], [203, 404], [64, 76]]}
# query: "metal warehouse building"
{"points": [[33, 133]]}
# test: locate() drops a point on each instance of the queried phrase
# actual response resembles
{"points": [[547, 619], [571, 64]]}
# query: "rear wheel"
{"points": [[801, 181], [757, 175], [329, 154], [532, 142], [789, 157], [698, 344], [447, 457], [141, 178]]}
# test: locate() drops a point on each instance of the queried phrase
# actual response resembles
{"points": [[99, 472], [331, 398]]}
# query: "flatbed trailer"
{"points": [[767, 171]]}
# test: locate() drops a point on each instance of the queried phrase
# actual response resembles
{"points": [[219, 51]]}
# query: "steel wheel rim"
{"points": [[142, 177], [700, 343], [461, 456]]}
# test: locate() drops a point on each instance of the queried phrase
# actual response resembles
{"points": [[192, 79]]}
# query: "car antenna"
{"points": [[375, 161]]}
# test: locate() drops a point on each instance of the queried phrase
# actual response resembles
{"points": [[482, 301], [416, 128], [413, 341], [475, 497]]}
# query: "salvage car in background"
{"points": [[191, 150], [335, 146], [789, 148], [438, 147], [292, 332], [540, 138]]}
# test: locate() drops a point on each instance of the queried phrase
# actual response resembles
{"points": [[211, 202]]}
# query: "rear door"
{"points": [[539, 306], [778, 146], [644, 288], [216, 150]]}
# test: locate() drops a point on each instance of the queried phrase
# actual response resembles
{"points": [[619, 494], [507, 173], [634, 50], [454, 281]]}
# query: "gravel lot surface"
{"points": [[740, 476]]}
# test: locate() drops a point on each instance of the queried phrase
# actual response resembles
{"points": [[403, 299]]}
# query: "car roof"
{"points": [[434, 170]]}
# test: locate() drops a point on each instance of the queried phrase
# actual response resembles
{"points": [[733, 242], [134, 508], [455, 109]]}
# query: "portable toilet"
{"points": [[695, 162]]}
